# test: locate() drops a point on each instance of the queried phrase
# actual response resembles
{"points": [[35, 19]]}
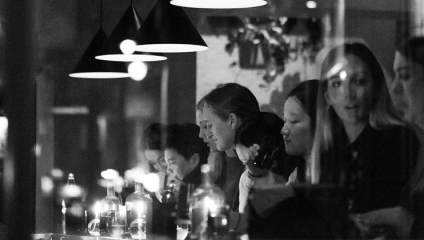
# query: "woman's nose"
{"points": [[350, 91], [285, 131], [164, 168], [168, 168], [203, 134], [396, 87]]}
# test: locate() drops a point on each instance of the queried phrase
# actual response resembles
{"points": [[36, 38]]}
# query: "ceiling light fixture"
{"points": [[167, 29], [219, 4], [125, 30], [89, 67]]}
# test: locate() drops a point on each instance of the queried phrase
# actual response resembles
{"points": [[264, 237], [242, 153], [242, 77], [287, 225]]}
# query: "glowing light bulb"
{"points": [[127, 46], [311, 4], [137, 70], [71, 191]]}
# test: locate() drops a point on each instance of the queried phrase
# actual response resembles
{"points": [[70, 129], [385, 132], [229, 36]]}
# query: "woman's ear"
{"points": [[194, 159], [233, 120]]}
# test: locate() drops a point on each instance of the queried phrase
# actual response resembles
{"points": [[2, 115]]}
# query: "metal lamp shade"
{"points": [[219, 4], [168, 29], [89, 67], [125, 29]]}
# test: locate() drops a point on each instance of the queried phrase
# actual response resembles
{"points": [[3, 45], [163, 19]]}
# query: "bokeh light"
{"points": [[109, 174], [137, 70], [151, 182], [127, 46]]}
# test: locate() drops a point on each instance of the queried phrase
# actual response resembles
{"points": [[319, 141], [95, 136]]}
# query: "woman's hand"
{"points": [[247, 155], [397, 217]]}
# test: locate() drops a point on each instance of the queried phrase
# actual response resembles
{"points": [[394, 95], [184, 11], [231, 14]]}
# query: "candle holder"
{"points": [[94, 227], [137, 229]]}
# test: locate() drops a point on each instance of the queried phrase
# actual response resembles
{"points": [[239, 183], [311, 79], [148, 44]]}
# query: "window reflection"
{"points": [[269, 50]]}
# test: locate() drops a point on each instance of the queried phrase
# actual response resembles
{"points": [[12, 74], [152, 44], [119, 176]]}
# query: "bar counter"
{"points": [[58, 236]]}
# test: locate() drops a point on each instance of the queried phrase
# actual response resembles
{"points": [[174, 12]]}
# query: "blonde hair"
{"points": [[382, 114], [215, 159]]}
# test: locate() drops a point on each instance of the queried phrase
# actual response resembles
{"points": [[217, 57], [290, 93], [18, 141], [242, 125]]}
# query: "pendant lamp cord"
{"points": [[101, 14]]}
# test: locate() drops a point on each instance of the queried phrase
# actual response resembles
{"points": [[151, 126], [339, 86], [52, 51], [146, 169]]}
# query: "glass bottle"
{"points": [[109, 211], [183, 210], [139, 213], [167, 212], [209, 213], [74, 207]]}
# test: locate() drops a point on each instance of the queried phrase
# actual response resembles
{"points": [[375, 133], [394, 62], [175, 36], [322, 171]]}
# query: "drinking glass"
{"points": [[182, 231]]}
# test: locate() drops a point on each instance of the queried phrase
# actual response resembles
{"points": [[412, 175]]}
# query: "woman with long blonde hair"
{"points": [[359, 141]]}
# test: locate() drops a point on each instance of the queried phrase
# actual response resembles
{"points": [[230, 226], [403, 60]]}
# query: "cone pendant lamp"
{"points": [[89, 67], [219, 4], [168, 29], [125, 29]]}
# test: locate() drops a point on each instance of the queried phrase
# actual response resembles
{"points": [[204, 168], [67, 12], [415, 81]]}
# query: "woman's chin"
{"points": [[292, 152]]}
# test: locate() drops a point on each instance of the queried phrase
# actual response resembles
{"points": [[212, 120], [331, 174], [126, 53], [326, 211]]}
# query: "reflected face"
{"points": [[156, 159], [203, 133], [409, 83], [220, 131], [177, 164], [396, 90], [350, 91], [296, 131]]}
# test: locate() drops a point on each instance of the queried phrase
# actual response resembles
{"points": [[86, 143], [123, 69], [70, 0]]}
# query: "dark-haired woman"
{"points": [[279, 211], [226, 110], [260, 147], [153, 142]]}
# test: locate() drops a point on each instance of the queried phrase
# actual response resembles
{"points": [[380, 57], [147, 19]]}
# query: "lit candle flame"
{"points": [[63, 217], [63, 207], [97, 210], [211, 206]]}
